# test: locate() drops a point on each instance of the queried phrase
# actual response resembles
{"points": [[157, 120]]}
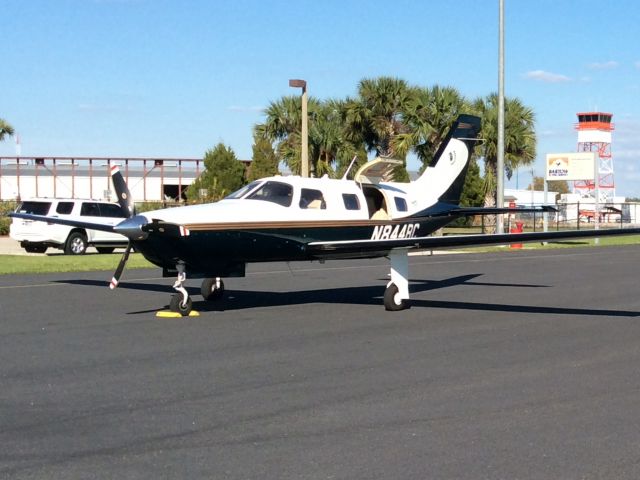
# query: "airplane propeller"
{"points": [[135, 227], [122, 192], [118, 273], [126, 204]]}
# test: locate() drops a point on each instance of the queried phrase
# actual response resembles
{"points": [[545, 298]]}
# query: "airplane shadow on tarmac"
{"points": [[362, 295]]}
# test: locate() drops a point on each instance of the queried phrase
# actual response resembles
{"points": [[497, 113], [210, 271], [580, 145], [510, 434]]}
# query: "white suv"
{"points": [[36, 237]]}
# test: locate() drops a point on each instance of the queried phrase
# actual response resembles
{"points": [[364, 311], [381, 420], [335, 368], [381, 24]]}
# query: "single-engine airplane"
{"points": [[293, 219]]}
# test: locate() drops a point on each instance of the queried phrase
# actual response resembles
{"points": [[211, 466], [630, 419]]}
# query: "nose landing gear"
{"points": [[212, 289], [181, 302]]}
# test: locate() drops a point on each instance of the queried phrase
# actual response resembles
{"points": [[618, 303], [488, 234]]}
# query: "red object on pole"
{"points": [[519, 228]]}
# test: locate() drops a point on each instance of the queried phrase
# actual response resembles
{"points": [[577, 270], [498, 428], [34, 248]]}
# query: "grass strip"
{"points": [[12, 264]]}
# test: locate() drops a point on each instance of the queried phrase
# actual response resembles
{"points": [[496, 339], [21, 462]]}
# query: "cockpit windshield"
{"points": [[276, 192], [244, 190]]}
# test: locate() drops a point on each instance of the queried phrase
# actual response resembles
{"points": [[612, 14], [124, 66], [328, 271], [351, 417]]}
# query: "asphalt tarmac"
{"points": [[517, 365]]}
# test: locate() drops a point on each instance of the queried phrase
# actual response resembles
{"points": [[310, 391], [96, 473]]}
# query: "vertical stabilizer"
{"points": [[443, 179]]}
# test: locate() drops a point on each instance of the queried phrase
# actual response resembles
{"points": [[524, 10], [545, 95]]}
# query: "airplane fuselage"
{"points": [[276, 218]]}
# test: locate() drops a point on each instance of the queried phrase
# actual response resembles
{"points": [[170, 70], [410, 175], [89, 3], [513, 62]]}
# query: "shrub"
{"points": [[5, 209]]}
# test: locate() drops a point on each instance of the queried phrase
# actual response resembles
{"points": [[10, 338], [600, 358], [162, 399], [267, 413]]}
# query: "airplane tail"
{"points": [[444, 178]]}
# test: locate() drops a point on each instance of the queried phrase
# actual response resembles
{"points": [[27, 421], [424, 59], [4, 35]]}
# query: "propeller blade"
{"points": [[123, 261], [122, 191]]}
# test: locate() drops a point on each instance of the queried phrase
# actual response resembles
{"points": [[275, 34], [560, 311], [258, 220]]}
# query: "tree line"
{"points": [[388, 118]]}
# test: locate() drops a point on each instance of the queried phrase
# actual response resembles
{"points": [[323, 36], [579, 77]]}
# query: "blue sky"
{"points": [[172, 79]]}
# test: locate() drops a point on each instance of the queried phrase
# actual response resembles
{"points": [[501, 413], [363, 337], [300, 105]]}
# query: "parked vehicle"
{"points": [[37, 237]]}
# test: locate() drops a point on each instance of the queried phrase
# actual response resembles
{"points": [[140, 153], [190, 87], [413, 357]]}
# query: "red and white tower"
{"points": [[594, 135]]}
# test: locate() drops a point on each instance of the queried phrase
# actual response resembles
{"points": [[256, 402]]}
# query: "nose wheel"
{"points": [[178, 305], [181, 302]]}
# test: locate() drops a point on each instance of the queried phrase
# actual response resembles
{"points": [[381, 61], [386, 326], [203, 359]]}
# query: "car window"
{"points": [[310, 198], [111, 210], [64, 208], [34, 208], [351, 201], [401, 204], [276, 192], [90, 209]]}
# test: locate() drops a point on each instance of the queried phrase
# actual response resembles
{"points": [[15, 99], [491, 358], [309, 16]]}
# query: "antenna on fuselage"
{"points": [[353, 160]]}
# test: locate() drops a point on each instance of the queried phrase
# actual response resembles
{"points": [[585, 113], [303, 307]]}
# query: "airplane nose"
{"points": [[132, 228]]}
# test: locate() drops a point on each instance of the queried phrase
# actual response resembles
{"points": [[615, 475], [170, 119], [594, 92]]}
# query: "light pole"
{"points": [[500, 160], [304, 156]]}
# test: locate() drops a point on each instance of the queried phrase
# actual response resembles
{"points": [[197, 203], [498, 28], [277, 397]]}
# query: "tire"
{"points": [[35, 248], [209, 291], [391, 301], [176, 305], [105, 249], [76, 244]]}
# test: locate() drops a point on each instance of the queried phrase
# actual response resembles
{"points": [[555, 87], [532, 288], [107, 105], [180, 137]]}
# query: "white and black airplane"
{"points": [[293, 219]]}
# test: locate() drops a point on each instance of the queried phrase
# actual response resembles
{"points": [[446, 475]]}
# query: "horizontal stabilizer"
{"points": [[470, 211]]}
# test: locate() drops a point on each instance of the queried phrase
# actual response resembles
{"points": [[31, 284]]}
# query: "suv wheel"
{"points": [[76, 244]]}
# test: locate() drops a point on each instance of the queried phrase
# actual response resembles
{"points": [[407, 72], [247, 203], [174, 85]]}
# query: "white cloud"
{"points": [[547, 77], [610, 65]]}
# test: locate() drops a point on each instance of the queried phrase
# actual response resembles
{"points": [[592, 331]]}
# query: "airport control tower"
{"points": [[594, 135]]}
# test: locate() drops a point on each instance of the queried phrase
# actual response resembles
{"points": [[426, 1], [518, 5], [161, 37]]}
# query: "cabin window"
{"points": [[351, 201], [244, 190], [276, 192], [310, 198], [401, 204]]}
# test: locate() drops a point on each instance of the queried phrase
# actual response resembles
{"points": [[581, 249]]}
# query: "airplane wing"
{"points": [[370, 247], [470, 211], [63, 221]]}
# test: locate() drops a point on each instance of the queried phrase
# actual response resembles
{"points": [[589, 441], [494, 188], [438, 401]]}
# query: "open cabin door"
{"points": [[369, 176], [377, 170]]}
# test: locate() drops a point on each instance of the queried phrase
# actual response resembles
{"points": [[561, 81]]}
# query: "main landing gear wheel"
{"points": [[177, 305], [212, 289], [392, 300]]}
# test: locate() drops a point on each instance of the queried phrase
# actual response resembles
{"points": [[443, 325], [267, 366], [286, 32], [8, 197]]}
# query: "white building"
{"points": [[148, 179], [527, 198]]}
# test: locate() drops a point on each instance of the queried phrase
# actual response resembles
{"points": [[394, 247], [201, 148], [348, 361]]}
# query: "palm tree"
{"points": [[376, 118], [282, 126], [329, 141], [329, 148], [519, 139], [5, 129], [430, 114]]}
